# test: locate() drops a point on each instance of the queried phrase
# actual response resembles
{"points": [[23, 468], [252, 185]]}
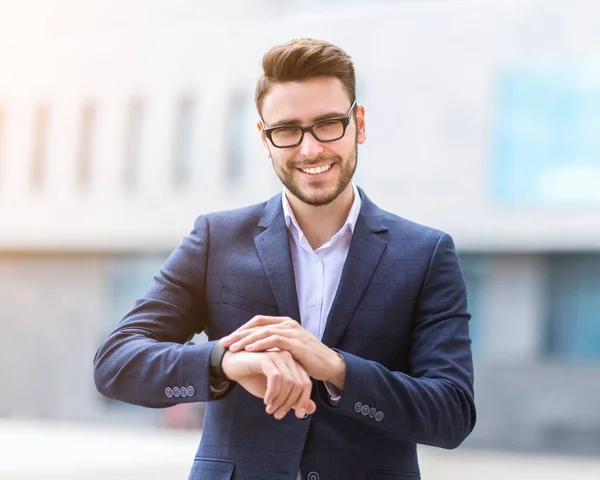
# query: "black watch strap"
{"points": [[216, 359]]}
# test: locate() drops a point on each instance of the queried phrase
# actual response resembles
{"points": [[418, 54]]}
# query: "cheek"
{"points": [[346, 150], [282, 160]]}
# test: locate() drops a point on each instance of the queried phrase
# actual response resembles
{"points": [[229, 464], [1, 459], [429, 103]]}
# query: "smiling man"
{"points": [[315, 301]]}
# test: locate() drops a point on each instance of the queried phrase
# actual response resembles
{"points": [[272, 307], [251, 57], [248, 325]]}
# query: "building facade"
{"points": [[116, 131]]}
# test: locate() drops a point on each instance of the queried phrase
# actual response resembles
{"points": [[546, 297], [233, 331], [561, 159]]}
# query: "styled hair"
{"points": [[304, 59]]}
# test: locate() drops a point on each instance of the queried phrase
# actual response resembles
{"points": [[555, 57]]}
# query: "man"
{"points": [[315, 301]]}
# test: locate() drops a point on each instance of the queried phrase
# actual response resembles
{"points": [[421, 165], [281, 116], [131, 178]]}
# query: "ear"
{"points": [[263, 139], [361, 136]]}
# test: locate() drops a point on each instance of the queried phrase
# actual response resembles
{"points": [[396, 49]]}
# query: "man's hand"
{"points": [[274, 376], [265, 333]]}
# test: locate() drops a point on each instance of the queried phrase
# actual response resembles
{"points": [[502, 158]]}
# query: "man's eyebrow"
{"points": [[295, 121]]}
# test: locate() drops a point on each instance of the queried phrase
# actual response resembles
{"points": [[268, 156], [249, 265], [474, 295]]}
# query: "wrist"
{"points": [[338, 372]]}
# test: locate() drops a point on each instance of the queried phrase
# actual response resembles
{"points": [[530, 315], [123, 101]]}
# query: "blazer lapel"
{"points": [[366, 248], [273, 249]]}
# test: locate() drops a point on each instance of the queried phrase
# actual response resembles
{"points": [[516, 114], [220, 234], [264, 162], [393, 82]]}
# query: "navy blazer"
{"points": [[399, 319]]}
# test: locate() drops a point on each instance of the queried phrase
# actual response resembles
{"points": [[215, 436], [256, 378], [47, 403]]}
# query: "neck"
{"points": [[321, 223]]}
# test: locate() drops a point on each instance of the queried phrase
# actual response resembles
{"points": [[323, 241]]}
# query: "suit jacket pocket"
{"points": [[250, 305], [387, 475], [215, 469]]}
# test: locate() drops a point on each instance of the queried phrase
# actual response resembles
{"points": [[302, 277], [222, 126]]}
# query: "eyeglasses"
{"points": [[328, 130]]}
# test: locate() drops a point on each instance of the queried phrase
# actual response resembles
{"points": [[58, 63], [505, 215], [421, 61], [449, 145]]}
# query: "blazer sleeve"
{"points": [[148, 359], [433, 403]]}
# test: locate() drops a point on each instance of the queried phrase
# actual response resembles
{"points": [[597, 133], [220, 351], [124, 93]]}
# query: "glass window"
{"points": [[128, 279], [85, 144], [573, 307], [236, 128], [546, 142], [475, 270], [133, 144], [40, 140], [183, 145], [2, 116]]}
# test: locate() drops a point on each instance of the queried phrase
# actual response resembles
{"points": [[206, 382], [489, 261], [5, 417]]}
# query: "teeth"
{"points": [[316, 170]]}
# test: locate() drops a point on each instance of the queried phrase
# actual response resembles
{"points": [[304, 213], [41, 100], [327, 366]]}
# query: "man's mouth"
{"points": [[316, 170]]}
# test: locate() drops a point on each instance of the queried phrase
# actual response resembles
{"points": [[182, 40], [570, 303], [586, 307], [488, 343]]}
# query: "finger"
{"points": [[287, 386], [304, 404], [281, 323], [274, 380], [261, 321], [280, 341], [239, 340], [301, 406], [237, 336], [262, 333], [293, 384], [297, 388]]}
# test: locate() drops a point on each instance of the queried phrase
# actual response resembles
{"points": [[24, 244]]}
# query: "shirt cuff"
{"points": [[220, 388], [334, 393]]}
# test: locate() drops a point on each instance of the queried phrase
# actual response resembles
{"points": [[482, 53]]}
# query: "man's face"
{"points": [[303, 103]]}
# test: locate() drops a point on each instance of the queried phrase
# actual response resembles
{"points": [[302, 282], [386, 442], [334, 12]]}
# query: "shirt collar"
{"points": [[350, 222]]}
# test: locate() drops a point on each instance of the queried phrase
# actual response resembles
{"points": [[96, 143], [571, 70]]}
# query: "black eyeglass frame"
{"points": [[345, 122]]}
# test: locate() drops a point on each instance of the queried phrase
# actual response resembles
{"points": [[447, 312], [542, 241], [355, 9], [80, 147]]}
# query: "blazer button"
{"points": [[357, 407], [191, 391], [176, 391], [372, 413], [313, 476], [183, 391], [169, 392], [365, 410], [379, 416]]}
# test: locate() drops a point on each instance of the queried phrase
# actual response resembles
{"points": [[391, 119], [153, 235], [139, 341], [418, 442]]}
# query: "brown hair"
{"points": [[303, 59]]}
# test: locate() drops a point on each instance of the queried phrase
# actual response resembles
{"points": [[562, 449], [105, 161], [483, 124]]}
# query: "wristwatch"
{"points": [[216, 360]]}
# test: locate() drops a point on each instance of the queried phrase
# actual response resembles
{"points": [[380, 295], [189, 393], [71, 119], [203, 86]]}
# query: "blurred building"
{"points": [[121, 122]]}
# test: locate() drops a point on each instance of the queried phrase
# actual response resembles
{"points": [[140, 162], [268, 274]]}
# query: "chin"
{"points": [[318, 199]]}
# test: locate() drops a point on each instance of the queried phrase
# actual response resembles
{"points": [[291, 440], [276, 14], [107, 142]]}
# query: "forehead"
{"points": [[305, 100]]}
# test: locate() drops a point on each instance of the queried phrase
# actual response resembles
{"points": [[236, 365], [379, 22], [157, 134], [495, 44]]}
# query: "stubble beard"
{"points": [[321, 198]]}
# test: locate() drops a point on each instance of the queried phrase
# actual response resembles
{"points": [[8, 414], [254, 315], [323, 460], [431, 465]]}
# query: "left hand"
{"points": [[263, 333]]}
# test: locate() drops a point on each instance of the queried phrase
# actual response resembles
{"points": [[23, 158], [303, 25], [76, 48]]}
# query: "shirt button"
{"points": [[315, 259], [312, 302]]}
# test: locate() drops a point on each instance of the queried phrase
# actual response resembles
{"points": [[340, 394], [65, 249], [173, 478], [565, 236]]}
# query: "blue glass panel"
{"points": [[546, 143], [574, 307], [475, 270], [128, 279]]}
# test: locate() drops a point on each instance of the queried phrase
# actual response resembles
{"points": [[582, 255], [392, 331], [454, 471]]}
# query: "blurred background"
{"points": [[120, 122]]}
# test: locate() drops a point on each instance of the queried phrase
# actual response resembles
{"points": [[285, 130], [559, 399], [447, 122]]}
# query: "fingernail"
{"points": [[249, 347], [301, 412], [225, 339], [234, 346]]}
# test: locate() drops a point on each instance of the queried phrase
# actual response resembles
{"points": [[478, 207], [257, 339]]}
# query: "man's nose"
{"points": [[310, 146]]}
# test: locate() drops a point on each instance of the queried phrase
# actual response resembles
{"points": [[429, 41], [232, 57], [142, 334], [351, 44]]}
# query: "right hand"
{"points": [[274, 376]]}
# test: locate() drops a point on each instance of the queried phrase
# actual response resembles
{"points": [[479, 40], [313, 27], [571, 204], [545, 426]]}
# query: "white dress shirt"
{"points": [[318, 272]]}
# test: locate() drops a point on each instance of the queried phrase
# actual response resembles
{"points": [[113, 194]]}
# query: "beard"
{"points": [[347, 167]]}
